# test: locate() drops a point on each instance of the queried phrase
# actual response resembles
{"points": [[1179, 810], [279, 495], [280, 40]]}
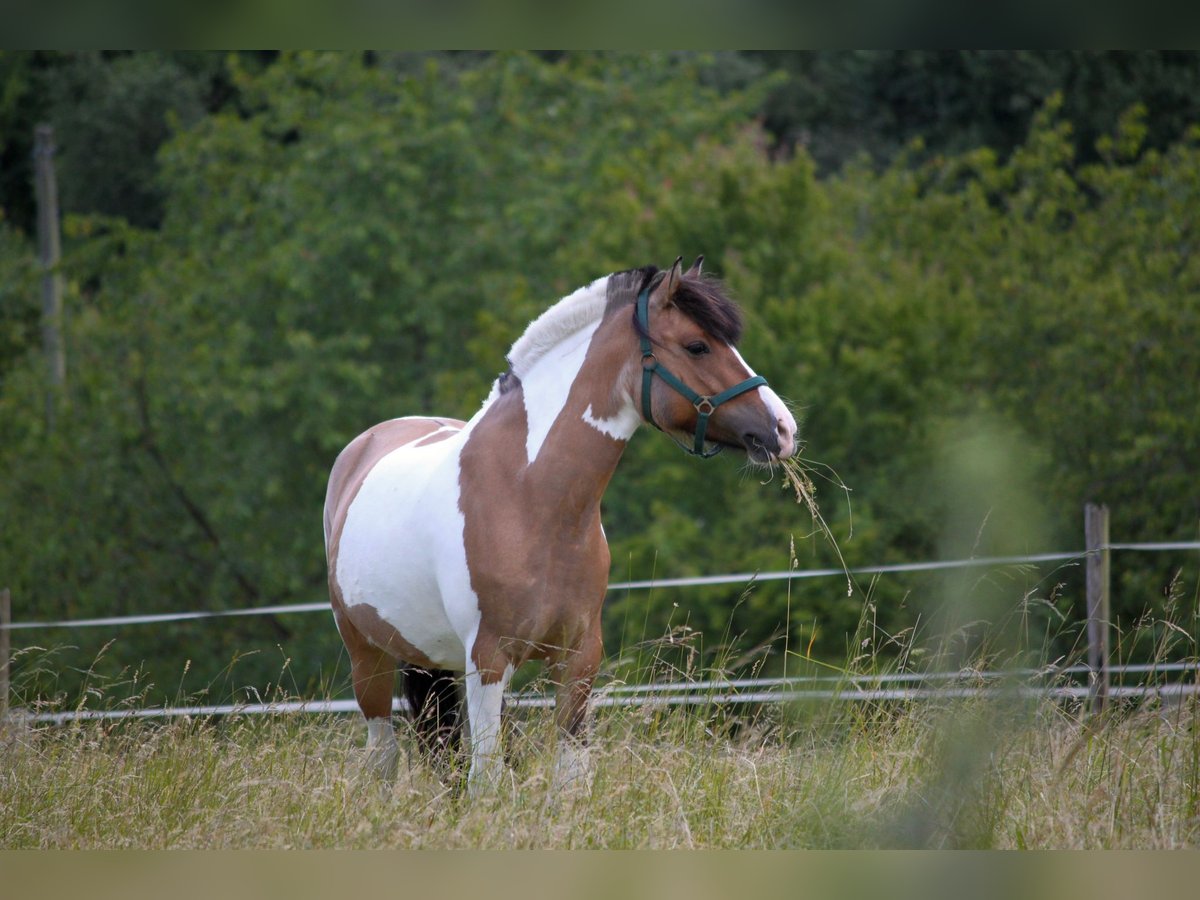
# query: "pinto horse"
{"points": [[476, 546]]}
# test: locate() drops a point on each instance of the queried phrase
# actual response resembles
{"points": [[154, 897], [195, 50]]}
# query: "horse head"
{"points": [[695, 386]]}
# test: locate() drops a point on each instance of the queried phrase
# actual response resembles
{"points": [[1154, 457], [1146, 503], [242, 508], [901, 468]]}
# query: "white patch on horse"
{"points": [[383, 750], [619, 427], [548, 356], [484, 703], [546, 386], [407, 505], [434, 436], [775, 405]]}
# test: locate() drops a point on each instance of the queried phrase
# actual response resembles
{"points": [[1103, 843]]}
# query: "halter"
{"points": [[705, 406]]}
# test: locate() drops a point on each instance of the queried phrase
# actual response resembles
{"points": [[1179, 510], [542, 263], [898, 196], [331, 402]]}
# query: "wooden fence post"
{"points": [[1095, 527], [5, 648], [49, 254]]}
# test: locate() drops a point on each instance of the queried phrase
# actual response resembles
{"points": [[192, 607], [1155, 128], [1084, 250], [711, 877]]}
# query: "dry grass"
{"points": [[965, 774], [987, 772]]}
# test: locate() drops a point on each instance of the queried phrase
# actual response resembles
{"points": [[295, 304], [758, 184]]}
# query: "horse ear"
{"points": [[669, 285], [694, 271]]}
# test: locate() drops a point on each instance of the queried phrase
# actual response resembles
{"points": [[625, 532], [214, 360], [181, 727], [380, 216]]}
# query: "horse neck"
{"points": [[579, 415]]}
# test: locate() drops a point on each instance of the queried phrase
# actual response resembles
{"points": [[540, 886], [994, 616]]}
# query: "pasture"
{"points": [[964, 773], [982, 337], [1002, 764]]}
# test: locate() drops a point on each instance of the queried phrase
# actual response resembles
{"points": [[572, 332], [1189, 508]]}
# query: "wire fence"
{"points": [[885, 687], [899, 686], [743, 578]]}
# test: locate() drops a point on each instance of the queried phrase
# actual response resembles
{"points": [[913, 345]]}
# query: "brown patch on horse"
{"points": [[364, 621], [362, 624], [535, 549], [536, 552]]}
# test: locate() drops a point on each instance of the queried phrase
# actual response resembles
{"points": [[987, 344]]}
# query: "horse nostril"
{"points": [[753, 442]]}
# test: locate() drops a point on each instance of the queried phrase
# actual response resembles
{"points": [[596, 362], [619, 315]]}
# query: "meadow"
{"points": [[976, 773], [979, 761], [984, 322]]}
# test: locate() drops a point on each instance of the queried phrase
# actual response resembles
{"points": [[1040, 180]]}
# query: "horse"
{"points": [[474, 547]]}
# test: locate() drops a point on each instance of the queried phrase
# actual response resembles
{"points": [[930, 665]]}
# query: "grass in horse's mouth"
{"points": [[796, 476]]}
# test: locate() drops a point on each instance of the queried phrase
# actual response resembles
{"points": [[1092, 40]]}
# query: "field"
{"points": [[1004, 767], [976, 773]]}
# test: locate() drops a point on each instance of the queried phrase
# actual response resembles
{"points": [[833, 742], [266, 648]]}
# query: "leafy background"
{"points": [[973, 272]]}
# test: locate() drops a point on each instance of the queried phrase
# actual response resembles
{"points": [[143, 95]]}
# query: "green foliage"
{"points": [[347, 248], [19, 305], [111, 111], [841, 104], [110, 118], [355, 239]]}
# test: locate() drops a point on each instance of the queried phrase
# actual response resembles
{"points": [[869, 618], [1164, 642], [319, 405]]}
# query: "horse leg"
{"points": [[485, 698], [433, 699], [374, 675], [578, 667]]}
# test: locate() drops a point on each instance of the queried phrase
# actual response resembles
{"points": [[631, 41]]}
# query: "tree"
{"points": [[339, 250], [357, 238]]}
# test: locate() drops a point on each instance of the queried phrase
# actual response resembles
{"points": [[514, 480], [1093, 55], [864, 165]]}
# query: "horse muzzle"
{"points": [[775, 438], [767, 433], [767, 447]]}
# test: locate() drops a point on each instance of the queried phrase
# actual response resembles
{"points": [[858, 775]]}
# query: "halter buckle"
{"points": [[649, 362], [704, 406]]}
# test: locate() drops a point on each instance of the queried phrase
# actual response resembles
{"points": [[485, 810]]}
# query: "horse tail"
{"points": [[436, 710]]}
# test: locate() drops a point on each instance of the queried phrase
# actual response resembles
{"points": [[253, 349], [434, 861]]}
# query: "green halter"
{"points": [[705, 406]]}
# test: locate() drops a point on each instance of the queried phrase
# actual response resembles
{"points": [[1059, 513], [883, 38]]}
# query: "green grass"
{"points": [[962, 774], [986, 772]]}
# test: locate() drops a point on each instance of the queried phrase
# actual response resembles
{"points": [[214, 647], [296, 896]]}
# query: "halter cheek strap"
{"points": [[705, 406]]}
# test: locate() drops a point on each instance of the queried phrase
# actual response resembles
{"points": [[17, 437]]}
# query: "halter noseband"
{"points": [[705, 406]]}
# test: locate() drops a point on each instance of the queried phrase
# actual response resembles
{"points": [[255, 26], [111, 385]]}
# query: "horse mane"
{"points": [[699, 297], [702, 299], [570, 314]]}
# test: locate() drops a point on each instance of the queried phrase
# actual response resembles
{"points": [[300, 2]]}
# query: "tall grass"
{"points": [[1001, 769], [961, 775], [998, 771]]}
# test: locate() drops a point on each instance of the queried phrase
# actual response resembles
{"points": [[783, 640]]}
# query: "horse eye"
{"points": [[697, 348]]}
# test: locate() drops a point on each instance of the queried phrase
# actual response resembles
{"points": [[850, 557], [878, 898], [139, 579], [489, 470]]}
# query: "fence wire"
{"points": [[886, 687], [912, 685], [648, 584]]}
